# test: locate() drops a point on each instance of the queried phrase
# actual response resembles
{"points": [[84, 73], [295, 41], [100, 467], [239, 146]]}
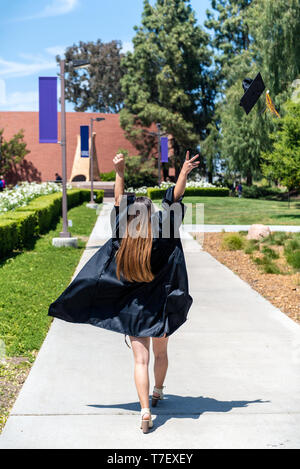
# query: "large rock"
{"points": [[258, 232]]}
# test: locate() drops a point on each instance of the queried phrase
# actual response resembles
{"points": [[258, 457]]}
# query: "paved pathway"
{"points": [[218, 228], [233, 379]]}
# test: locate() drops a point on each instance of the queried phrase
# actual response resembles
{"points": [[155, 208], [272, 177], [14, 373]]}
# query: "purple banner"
{"points": [[48, 109], [84, 138], [164, 149]]}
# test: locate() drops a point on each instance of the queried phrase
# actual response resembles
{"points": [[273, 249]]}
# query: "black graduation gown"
{"points": [[139, 309]]}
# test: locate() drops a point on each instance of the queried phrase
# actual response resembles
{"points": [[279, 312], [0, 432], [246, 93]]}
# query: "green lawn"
{"points": [[235, 211], [31, 280]]}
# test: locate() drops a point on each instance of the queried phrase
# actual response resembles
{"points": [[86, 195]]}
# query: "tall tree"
{"points": [[275, 28], [283, 162], [274, 50], [167, 77], [98, 86], [227, 21], [230, 34]]}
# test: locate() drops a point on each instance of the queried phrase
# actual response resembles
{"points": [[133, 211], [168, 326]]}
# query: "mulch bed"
{"points": [[283, 291], [13, 373]]}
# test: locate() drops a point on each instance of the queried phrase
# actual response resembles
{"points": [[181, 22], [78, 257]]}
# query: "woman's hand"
{"points": [[187, 167], [189, 164], [119, 162]]}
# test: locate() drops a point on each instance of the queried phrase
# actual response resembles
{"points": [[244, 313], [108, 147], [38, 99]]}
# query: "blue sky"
{"points": [[32, 32]]}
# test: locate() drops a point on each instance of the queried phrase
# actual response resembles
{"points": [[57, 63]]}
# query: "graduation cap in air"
{"points": [[253, 90]]}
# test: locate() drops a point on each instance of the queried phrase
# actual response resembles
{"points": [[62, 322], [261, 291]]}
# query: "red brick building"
{"points": [[44, 160]]}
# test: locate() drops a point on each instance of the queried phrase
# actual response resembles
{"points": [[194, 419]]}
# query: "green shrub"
{"points": [[279, 238], [292, 252], [276, 239], [26, 226], [267, 265], [111, 176], [46, 208], [19, 227], [251, 246], [233, 242], [271, 268], [262, 192], [8, 236], [270, 253], [191, 192], [293, 258], [259, 260], [86, 195], [291, 245]]}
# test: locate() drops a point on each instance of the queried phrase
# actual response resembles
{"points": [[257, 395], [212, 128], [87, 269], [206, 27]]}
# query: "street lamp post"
{"points": [[97, 119], [65, 238], [83, 63], [65, 233]]}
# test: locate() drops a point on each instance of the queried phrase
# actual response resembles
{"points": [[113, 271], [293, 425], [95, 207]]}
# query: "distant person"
{"points": [[239, 189], [2, 183], [58, 177]]}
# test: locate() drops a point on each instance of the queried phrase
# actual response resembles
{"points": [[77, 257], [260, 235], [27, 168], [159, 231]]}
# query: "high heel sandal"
{"points": [[155, 399], [146, 423]]}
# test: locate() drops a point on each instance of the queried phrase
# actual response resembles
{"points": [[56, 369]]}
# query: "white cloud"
{"points": [[56, 50], [9, 69], [2, 92], [55, 8], [127, 46], [18, 101]]}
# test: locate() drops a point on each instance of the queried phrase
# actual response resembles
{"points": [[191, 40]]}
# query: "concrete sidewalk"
{"points": [[235, 228], [233, 378]]}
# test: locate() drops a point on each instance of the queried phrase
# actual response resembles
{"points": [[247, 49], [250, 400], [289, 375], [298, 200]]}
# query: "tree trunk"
{"points": [[249, 180], [165, 170], [177, 161]]}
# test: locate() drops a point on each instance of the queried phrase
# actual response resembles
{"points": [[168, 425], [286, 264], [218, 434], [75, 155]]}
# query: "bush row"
{"points": [[191, 192], [263, 192], [19, 227]]}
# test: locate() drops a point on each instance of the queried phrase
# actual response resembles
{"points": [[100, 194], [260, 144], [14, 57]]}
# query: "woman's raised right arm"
{"points": [[187, 167], [119, 162]]}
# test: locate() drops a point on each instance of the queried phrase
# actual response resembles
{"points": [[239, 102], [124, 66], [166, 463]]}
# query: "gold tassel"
{"points": [[270, 104]]}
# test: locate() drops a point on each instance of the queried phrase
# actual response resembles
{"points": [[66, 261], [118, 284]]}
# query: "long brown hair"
{"points": [[134, 254]]}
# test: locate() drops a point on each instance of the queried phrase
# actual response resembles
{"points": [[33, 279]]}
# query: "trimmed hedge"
{"points": [[262, 192], [86, 195], [192, 192], [20, 226], [9, 235]]}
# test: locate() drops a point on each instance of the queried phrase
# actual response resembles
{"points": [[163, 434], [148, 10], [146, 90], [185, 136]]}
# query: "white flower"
{"points": [[198, 182], [25, 192]]}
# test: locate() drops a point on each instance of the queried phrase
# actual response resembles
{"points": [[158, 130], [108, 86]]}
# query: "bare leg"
{"points": [[161, 360], [140, 347]]}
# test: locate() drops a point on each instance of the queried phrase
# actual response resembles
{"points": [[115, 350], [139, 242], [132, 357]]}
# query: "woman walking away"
{"points": [[136, 283]]}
